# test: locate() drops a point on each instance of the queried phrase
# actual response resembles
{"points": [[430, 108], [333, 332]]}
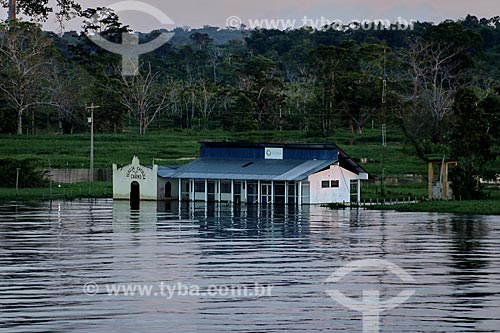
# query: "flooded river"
{"points": [[100, 267]]}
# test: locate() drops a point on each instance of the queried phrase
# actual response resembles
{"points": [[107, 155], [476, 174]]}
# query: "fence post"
{"points": [[17, 182]]}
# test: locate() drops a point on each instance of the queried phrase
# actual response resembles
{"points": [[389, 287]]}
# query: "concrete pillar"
{"points": [[232, 191], [206, 190], [180, 190], [258, 191], [431, 180], [218, 191], [359, 191], [299, 194], [245, 192], [286, 193], [191, 189], [272, 192]]}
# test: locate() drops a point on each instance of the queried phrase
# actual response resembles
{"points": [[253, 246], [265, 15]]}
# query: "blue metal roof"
{"points": [[242, 150], [246, 161], [247, 169], [167, 171]]}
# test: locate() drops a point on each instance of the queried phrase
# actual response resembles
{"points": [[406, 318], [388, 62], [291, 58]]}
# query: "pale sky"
{"points": [[196, 13]]}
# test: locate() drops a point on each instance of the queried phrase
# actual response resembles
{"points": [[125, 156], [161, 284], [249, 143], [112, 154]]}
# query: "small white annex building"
{"points": [[135, 181], [247, 173]]}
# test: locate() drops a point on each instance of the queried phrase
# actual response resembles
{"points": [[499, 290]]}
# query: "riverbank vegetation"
{"points": [[56, 191], [470, 207]]}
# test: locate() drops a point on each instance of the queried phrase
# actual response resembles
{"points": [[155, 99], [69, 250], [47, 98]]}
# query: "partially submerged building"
{"points": [[247, 173]]}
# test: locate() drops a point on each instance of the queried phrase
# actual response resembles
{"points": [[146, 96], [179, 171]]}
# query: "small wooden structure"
{"points": [[439, 183]]}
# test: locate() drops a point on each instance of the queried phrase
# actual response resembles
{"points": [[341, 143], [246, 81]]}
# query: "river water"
{"points": [[61, 266]]}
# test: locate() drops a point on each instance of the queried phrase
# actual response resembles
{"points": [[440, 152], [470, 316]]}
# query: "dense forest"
{"points": [[439, 82]]}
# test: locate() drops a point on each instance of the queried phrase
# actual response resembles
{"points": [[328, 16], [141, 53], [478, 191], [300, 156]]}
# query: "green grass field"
{"points": [[170, 147]]}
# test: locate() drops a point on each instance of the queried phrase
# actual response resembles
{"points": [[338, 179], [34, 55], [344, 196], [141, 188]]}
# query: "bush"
{"points": [[29, 175]]}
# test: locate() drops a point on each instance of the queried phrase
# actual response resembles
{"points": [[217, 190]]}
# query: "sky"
{"points": [[196, 13]]}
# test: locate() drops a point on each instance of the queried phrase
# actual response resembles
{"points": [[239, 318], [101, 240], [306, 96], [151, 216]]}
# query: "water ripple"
{"points": [[48, 253]]}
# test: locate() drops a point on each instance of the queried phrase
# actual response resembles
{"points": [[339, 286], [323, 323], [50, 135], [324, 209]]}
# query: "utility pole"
{"points": [[12, 10], [384, 88], [384, 145], [91, 121], [384, 118]]}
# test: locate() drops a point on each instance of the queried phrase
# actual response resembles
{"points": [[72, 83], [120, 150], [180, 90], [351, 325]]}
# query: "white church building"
{"points": [[247, 173]]}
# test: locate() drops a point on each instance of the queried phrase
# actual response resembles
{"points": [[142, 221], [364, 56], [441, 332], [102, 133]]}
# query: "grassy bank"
{"points": [[62, 192], [483, 207]]}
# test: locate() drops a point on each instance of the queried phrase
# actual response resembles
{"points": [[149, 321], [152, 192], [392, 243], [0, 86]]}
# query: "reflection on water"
{"points": [[49, 252]]}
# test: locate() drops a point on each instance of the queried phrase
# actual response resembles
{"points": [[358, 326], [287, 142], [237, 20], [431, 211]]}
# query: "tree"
{"points": [[491, 107], [25, 61], [207, 98], [201, 40], [435, 66], [360, 99], [329, 63], [470, 144], [216, 56], [40, 9], [261, 82], [103, 21], [68, 86], [7, 119], [143, 96], [433, 69], [299, 98], [361, 88]]}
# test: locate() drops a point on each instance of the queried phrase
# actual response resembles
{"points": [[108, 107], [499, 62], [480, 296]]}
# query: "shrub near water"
{"points": [[29, 176]]}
